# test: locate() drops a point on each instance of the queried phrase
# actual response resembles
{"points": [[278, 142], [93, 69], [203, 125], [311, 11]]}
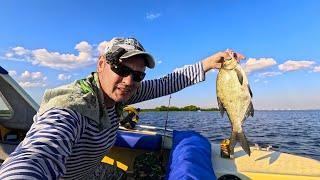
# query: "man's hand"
{"points": [[215, 61]]}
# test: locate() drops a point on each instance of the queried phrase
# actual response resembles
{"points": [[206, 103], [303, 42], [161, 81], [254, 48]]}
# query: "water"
{"points": [[295, 132]]}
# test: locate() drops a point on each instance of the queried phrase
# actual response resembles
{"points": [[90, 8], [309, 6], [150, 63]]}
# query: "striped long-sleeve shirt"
{"points": [[63, 144]]}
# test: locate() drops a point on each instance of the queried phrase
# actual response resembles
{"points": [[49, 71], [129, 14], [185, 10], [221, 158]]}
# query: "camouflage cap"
{"points": [[133, 48]]}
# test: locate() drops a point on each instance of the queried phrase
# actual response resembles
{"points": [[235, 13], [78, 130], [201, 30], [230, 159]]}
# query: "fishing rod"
{"points": [[166, 122], [165, 130]]}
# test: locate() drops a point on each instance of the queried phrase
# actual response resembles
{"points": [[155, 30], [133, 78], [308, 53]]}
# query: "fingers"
{"points": [[240, 56], [235, 55], [218, 65], [216, 60]]}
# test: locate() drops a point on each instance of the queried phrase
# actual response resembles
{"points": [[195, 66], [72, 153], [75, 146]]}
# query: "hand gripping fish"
{"points": [[234, 96]]}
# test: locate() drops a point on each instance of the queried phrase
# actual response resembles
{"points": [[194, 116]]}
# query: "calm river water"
{"points": [[295, 132]]}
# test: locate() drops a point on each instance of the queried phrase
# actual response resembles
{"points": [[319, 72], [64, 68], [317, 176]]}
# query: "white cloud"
{"points": [[64, 77], [84, 46], [32, 79], [159, 62], [32, 75], [56, 60], [152, 16], [28, 84], [12, 72], [87, 55], [295, 65], [20, 50], [269, 74], [257, 64], [25, 75], [102, 46], [9, 55], [316, 69]]}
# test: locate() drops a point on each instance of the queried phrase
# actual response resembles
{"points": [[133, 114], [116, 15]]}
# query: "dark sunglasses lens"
{"points": [[125, 71], [121, 70], [138, 76]]}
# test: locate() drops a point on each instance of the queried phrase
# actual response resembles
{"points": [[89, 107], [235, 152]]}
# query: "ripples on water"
{"points": [[295, 132]]}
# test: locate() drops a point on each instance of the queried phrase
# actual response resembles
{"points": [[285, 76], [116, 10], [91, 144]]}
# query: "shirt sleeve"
{"points": [[173, 82], [47, 145]]}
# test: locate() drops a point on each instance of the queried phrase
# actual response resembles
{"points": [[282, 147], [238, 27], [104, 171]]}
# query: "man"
{"points": [[76, 124]]}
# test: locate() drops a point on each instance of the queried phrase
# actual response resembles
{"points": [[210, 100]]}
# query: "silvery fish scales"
{"points": [[234, 98]]}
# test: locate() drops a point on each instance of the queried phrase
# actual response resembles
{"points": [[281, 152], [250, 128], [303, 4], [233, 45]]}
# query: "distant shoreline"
{"points": [[174, 108], [195, 108], [154, 110]]}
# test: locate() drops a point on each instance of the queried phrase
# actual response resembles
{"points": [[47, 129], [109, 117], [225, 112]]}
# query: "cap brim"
{"points": [[149, 59]]}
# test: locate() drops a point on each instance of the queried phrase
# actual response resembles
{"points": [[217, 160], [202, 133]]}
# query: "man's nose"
{"points": [[128, 80]]}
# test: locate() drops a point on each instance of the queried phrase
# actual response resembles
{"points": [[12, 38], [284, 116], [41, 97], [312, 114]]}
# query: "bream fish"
{"points": [[234, 97]]}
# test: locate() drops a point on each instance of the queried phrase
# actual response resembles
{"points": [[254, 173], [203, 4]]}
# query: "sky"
{"points": [[44, 44]]}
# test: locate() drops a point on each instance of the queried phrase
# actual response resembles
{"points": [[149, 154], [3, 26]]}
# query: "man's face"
{"points": [[115, 87]]}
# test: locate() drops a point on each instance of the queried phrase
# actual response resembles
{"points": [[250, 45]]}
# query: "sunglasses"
{"points": [[125, 71]]}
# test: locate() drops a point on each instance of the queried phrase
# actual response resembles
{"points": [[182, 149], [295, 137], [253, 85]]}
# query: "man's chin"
{"points": [[122, 97]]}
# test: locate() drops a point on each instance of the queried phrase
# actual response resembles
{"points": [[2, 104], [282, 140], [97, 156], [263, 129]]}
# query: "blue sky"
{"points": [[48, 43]]}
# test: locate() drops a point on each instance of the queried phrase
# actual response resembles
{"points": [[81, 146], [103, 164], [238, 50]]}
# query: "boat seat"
{"points": [[190, 157], [133, 140]]}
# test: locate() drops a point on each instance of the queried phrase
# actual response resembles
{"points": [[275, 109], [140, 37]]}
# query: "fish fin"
{"points": [[250, 90], [249, 112], [252, 109], [221, 108], [240, 76], [233, 142], [244, 142], [235, 137]]}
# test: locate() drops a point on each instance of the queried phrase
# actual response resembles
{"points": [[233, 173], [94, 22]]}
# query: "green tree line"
{"points": [[186, 108]]}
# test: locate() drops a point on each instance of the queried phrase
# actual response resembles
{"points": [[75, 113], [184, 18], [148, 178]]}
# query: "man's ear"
{"points": [[100, 64]]}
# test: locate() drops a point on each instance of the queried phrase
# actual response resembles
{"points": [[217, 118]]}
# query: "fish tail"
{"points": [[239, 136], [244, 142], [233, 142]]}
